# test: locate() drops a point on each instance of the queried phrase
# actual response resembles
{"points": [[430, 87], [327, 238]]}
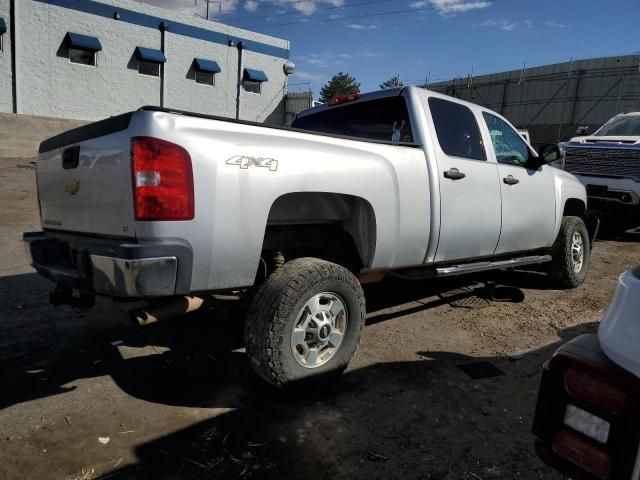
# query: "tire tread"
{"points": [[273, 304]]}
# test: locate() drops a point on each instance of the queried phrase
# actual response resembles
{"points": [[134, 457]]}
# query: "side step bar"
{"points": [[495, 265]]}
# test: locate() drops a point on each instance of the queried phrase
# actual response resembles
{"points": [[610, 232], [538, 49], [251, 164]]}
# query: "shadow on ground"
{"points": [[422, 419], [43, 348], [419, 419]]}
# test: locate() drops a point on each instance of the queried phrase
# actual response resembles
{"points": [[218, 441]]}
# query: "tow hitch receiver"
{"points": [[67, 296]]}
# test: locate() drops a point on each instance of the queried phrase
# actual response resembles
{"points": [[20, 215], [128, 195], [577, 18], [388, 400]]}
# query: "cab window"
{"points": [[457, 129], [383, 119], [509, 146]]}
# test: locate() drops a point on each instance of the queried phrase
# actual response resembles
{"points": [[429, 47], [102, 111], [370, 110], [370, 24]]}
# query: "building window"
{"points": [[251, 87], [205, 78], [252, 80], [82, 48], [3, 30], [149, 61], [83, 57], [146, 67], [205, 71]]}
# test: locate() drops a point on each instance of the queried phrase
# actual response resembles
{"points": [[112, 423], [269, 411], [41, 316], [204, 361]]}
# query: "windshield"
{"points": [[621, 126]]}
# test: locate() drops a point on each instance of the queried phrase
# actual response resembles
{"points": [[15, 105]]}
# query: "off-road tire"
{"points": [[274, 310], [561, 269]]}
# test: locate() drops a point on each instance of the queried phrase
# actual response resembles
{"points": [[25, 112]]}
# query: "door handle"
{"points": [[510, 180], [454, 174]]}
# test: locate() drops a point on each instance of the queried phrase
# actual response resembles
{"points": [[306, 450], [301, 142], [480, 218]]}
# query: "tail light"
{"points": [[594, 391], [586, 419], [162, 180], [582, 453]]}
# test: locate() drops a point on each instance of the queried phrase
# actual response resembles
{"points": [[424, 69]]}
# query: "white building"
{"points": [[86, 59]]}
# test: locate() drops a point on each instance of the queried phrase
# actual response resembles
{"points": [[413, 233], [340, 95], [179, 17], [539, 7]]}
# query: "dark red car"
{"points": [[587, 419]]}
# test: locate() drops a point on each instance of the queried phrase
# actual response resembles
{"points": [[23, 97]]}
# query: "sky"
{"points": [[433, 40]]}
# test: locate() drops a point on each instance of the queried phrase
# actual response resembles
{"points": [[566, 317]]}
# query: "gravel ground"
{"points": [[177, 400]]}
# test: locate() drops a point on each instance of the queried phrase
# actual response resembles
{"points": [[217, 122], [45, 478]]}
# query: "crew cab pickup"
{"points": [[608, 164], [158, 204], [587, 421]]}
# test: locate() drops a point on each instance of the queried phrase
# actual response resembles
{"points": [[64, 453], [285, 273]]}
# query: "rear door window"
{"points": [[457, 129], [385, 119]]}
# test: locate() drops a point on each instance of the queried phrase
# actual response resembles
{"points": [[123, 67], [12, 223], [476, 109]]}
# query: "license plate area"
{"points": [[53, 253], [596, 190], [586, 423]]}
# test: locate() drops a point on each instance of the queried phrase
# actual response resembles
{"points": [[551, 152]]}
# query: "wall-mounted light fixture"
{"points": [[289, 68]]}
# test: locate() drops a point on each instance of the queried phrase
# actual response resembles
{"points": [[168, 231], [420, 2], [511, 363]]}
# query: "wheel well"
{"points": [[335, 227], [574, 208]]}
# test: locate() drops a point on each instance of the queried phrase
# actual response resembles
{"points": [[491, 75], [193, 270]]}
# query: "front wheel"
{"points": [[305, 320], [571, 253]]}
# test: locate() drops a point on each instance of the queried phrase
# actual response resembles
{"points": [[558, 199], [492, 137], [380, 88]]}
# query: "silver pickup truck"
{"points": [[608, 164], [173, 206]]}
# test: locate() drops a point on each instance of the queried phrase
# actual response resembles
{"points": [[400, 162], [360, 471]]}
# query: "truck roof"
{"points": [[391, 92]]}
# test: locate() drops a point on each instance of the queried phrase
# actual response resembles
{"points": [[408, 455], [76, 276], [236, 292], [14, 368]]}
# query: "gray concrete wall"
{"points": [[21, 135], [269, 102], [52, 86], [182, 91], [6, 95], [49, 85]]}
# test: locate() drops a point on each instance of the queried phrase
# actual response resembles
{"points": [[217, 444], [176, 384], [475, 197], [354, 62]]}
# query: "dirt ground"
{"points": [[88, 395]]}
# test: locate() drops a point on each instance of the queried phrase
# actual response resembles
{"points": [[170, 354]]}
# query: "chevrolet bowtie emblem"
{"points": [[72, 187]]}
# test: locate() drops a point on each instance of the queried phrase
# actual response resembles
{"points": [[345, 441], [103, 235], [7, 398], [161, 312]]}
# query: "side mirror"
{"points": [[549, 153]]}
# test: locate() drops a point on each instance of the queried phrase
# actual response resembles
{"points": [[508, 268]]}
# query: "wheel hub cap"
{"points": [[577, 252], [319, 329]]}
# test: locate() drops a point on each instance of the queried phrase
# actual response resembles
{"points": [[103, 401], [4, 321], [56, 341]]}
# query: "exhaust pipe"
{"points": [[166, 309]]}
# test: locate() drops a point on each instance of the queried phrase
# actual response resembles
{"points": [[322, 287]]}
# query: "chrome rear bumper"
{"points": [[142, 277], [112, 267]]}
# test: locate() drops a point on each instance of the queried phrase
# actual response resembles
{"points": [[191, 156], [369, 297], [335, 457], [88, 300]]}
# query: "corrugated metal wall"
{"points": [[552, 101], [296, 102]]}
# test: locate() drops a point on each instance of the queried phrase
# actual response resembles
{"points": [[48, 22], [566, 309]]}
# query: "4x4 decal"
{"points": [[245, 162]]}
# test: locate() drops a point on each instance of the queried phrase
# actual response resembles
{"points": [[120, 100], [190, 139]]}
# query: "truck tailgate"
{"points": [[84, 180]]}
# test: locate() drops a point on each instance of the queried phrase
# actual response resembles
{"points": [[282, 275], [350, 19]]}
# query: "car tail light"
{"points": [[582, 453], [344, 99], [162, 180], [594, 391]]}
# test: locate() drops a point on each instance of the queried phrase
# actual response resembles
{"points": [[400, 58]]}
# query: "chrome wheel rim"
{"points": [[319, 330], [577, 252]]}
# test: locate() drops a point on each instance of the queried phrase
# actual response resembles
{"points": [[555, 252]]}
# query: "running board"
{"points": [[495, 265]]}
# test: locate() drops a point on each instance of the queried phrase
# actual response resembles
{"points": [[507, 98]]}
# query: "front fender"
{"points": [[567, 187]]}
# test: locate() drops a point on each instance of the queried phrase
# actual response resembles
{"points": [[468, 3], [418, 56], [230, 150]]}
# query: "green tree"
{"points": [[393, 82], [340, 84]]}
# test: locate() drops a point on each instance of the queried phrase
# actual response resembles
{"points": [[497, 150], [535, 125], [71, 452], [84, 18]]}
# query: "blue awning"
{"points": [[254, 75], [83, 42], [150, 55], [3, 26], [207, 65]]}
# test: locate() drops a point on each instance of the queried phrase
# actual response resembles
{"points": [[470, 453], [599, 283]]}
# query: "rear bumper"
{"points": [[112, 267], [584, 355]]}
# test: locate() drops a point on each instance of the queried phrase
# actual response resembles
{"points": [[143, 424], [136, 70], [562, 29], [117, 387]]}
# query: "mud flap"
{"points": [[592, 221]]}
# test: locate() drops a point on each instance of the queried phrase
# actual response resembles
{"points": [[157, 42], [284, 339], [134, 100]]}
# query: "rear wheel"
{"points": [[571, 253], [305, 321]]}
